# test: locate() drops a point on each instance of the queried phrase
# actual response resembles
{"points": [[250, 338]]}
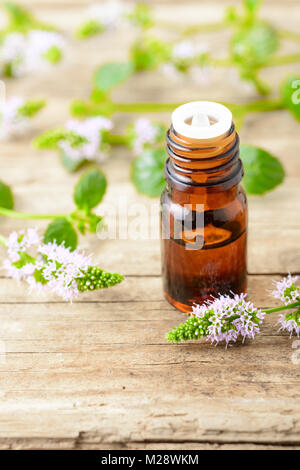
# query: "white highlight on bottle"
{"points": [[201, 119]]}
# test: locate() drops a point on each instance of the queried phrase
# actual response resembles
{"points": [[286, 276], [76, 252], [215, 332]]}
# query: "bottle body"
{"points": [[203, 221]]}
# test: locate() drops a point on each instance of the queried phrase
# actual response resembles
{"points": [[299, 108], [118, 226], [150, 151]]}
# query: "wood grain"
{"points": [[99, 373]]}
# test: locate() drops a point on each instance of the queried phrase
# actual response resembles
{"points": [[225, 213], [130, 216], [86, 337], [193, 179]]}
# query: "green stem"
{"points": [[23, 215], [94, 109], [283, 307], [3, 240], [145, 107], [257, 106], [115, 139], [283, 60], [284, 34], [204, 28]]}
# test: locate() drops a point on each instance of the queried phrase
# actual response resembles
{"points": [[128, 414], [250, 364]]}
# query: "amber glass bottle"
{"points": [[203, 207]]}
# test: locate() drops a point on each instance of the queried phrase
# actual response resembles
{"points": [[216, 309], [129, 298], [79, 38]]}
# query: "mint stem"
{"points": [[23, 215], [283, 307], [284, 34]]}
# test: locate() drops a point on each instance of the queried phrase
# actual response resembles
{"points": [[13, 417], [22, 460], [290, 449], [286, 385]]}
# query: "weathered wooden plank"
{"points": [[132, 289]]}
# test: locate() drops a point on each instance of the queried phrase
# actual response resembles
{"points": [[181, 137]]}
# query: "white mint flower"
{"points": [[290, 323], [230, 317], [286, 290], [62, 268], [184, 50], [171, 72], [54, 268], [90, 129], [12, 123], [108, 14], [21, 241], [187, 50], [145, 132], [13, 48], [28, 53]]}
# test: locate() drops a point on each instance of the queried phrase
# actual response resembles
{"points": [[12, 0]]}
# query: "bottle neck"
{"points": [[212, 163]]}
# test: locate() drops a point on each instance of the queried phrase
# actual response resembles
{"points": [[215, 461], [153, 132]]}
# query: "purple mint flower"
{"points": [[12, 123], [91, 130], [290, 323], [286, 290], [230, 317], [27, 53], [145, 132], [108, 14], [62, 267]]}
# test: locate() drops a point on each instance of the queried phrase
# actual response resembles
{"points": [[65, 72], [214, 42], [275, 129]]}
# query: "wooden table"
{"points": [[99, 373]]}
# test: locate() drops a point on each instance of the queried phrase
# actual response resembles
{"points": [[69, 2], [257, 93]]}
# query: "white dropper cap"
{"points": [[201, 119]]}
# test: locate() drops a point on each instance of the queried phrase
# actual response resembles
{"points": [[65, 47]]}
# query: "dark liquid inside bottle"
{"points": [[207, 256]]}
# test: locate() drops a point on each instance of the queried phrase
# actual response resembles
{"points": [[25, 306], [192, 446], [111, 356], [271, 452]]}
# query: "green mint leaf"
{"points": [[90, 189], [61, 230], [19, 16], [89, 29], [6, 196], [150, 53], [141, 16], [263, 171], [252, 46], [31, 108], [53, 55], [38, 276], [24, 259], [147, 172], [22, 20], [110, 75], [252, 6], [50, 139], [290, 93]]}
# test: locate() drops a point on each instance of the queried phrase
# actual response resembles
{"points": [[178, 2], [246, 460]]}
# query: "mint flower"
{"points": [[22, 54], [144, 133], [286, 290], [54, 268], [107, 14], [184, 50], [90, 130], [290, 322], [100, 17], [15, 114], [12, 123], [223, 320], [289, 293]]}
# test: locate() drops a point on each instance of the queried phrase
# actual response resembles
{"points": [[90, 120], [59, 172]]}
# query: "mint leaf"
{"points": [[50, 139], [61, 230], [252, 6], [6, 196], [147, 172], [89, 28], [53, 55], [31, 107], [263, 171], [149, 53], [24, 259], [290, 93], [252, 46], [90, 189], [110, 75]]}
